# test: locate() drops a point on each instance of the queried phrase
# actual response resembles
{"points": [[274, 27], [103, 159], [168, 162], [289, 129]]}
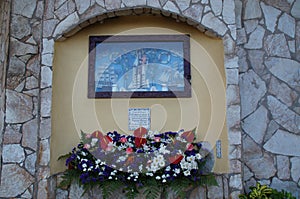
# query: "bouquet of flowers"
{"points": [[147, 161]]}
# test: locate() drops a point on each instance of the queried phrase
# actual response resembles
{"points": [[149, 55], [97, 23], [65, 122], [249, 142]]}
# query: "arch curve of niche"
{"points": [[74, 24]]}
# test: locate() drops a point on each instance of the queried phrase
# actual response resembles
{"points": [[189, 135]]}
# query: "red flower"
{"points": [[140, 132], [129, 150], [123, 139], [189, 147], [104, 142], [188, 136], [97, 134], [176, 159], [138, 141]]}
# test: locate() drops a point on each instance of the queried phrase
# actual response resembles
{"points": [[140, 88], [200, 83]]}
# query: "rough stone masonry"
{"points": [[262, 62]]}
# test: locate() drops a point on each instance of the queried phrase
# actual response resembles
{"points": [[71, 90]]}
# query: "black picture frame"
{"points": [[139, 66]]}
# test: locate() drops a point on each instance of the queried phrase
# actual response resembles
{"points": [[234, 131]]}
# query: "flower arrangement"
{"points": [[147, 162]]}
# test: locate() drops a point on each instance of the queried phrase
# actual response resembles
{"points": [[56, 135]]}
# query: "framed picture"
{"points": [[139, 66]]}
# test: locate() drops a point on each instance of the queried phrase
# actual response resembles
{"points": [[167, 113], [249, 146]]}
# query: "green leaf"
{"points": [[195, 133], [63, 157]]}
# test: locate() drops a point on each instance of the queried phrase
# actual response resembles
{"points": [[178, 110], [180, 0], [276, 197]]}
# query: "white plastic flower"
{"points": [[163, 150], [190, 158], [198, 156], [187, 173], [94, 141]]}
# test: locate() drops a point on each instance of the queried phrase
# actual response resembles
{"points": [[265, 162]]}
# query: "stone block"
{"points": [[232, 95], [30, 133], [44, 156], [30, 163], [66, 24], [295, 171], [45, 129], [20, 26], [216, 7], [183, 4], [255, 125], [12, 153], [14, 180], [24, 7], [169, 6], [271, 16], [252, 89], [228, 11], [252, 10], [283, 167], [19, 107], [46, 77], [46, 97], [288, 73], [276, 45], [12, 134], [20, 49], [235, 181], [287, 25], [216, 191], [113, 5], [256, 38], [194, 12], [282, 92], [283, 115], [295, 9], [214, 23], [283, 143]]}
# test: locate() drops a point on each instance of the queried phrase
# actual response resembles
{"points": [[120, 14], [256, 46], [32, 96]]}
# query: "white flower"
{"points": [[190, 158], [187, 173], [198, 156], [177, 171], [164, 180], [149, 174], [168, 168], [84, 165], [110, 177], [163, 150], [157, 177], [97, 161], [94, 141], [122, 158]]}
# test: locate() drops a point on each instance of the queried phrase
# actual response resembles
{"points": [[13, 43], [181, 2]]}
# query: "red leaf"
{"points": [[140, 132], [188, 136], [138, 141], [176, 159]]}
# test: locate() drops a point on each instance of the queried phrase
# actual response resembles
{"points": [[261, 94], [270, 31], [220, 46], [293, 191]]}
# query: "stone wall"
{"points": [[263, 68], [20, 152], [268, 38], [4, 40]]}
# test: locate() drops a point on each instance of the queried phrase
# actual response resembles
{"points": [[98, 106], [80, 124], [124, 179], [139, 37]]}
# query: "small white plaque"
{"points": [[138, 117]]}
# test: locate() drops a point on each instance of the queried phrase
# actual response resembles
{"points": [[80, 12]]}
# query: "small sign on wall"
{"points": [[138, 117]]}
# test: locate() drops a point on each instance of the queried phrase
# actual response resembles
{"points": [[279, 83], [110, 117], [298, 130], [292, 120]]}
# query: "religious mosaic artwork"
{"points": [[139, 66]]}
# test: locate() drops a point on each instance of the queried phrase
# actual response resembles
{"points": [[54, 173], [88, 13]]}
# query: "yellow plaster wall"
{"points": [[72, 111]]}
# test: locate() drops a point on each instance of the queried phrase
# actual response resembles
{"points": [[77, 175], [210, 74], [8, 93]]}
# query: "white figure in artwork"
{"points": [[139, 79]]}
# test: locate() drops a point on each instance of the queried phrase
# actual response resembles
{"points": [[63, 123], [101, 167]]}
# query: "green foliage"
{"points": [[281, 194], [265, 192]]}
